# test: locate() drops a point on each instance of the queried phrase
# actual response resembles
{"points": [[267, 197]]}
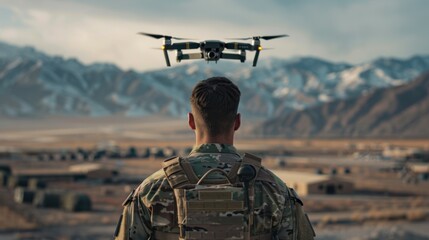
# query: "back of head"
{"points": [[214, 103]]}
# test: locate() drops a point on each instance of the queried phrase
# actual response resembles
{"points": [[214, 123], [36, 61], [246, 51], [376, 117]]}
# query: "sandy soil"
{"points": [[376, 190]]}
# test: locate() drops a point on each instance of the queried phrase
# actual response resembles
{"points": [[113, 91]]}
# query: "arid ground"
{"points": [[381, 205]]}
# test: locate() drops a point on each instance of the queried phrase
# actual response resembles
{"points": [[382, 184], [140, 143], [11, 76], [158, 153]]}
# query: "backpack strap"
{"points": [[247, 159], [178, 172], [187, 168], [252, 160], [255, 161], [178, 175]]}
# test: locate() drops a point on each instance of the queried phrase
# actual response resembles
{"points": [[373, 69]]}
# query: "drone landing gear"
{"points": [[255, 60], [243, 56], [167, 60]]}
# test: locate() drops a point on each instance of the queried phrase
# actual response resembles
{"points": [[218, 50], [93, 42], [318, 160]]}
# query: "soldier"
{"points": [[174, 202]]}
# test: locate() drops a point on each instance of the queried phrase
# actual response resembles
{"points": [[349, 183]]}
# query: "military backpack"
{"points": [[214, 208]]}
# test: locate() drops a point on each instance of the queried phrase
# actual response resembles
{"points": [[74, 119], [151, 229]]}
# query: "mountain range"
{"points": [[401, 111], [35, 84]]}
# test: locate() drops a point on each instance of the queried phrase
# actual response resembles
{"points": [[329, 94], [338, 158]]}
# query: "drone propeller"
{"points": [[158, 36], [261, 37], [272, 36]]}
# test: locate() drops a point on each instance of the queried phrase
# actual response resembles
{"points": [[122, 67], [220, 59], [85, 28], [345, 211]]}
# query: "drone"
{"points": [[212, 50]]}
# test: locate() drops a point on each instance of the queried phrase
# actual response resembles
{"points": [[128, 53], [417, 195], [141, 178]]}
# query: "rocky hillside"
{"points": [[401, 111]]}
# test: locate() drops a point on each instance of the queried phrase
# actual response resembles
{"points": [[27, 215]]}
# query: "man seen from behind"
{"points": [[215, 192]]}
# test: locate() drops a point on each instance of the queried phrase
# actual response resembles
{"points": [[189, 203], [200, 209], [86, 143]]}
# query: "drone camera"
{"points": [[212, 55]]}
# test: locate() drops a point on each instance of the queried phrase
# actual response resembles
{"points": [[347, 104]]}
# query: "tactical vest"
{"points": [[212, 209]]}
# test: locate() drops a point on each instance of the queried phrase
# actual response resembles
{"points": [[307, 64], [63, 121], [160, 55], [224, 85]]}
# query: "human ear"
{"points": [[237, 122], [191, 121]]}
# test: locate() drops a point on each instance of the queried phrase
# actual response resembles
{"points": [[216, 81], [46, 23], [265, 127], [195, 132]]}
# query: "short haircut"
{"points": [[215, 100]]}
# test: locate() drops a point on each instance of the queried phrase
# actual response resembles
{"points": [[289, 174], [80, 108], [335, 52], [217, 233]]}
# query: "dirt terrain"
{"points": [[381, 205]]}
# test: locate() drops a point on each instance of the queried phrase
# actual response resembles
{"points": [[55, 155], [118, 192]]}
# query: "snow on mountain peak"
{"points": [[34, 83]]}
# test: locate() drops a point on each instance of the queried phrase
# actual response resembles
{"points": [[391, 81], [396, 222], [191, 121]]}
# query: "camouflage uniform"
{"points": [[150, 211]]}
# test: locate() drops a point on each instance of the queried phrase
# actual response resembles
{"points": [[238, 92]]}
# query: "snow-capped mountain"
{"points": [[399, 112], [33, 83]]}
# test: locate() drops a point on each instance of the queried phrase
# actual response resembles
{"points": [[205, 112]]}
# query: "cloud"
{"points": [[91, 34], [106, 30], [89, 37]]}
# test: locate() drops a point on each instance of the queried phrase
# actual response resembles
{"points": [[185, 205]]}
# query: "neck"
{"points": [[201, 138]]}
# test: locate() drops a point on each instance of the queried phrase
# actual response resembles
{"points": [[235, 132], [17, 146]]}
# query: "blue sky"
{"points": [[105, 30]]}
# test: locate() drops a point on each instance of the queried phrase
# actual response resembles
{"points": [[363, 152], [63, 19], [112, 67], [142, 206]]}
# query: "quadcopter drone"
{"points": [[212, 50]]}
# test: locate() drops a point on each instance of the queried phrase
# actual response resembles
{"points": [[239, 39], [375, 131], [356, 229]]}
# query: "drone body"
{"points": [[211, 50]]}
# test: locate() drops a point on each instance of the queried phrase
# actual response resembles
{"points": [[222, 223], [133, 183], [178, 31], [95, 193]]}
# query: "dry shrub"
{"points": [[325, 220], [386, 216], [358, 217], [416, 215], [417, 202]]}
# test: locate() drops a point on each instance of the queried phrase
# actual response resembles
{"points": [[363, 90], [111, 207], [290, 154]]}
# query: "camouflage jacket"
{"points": [[151, 208]]}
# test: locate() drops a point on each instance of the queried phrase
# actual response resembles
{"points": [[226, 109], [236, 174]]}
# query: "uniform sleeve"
{"points": [[286, 227], [305, 230], [134, 222], [295, 223]]}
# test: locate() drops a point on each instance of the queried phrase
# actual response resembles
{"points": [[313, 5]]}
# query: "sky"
{"points": [[351, 31]]}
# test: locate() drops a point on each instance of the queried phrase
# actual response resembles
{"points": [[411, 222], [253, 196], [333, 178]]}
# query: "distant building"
{"points": [[306, 183], [398, 152], [79, 172], [418, 171], [49, 175], [9, 153], [93, 171]]}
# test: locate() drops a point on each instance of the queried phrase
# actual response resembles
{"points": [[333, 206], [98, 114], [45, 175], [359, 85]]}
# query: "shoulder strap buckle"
{"points": [[178, 172]]}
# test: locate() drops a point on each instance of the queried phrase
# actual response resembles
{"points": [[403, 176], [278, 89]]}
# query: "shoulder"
{"points": [[153, 186], [278, 185], [265, 175], [154, 178]]}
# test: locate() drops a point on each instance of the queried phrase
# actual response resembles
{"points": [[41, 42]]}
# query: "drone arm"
{"points": [[184, 45], [239, 46], [232, 56], [191, 56]]}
